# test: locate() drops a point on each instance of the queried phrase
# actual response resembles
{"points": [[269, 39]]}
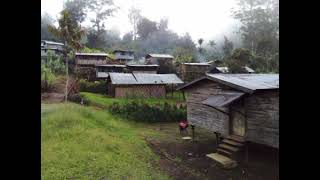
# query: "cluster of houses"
{"points": [[238, 108]]}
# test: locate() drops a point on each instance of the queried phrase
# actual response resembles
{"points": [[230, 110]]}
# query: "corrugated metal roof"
{"points": [[249, 69], [222, 99], [160, 55], [102, 74], [52, 42], [249, 82], [244, 82], [223, 69], [92, 54], [111, 65], [144, 78], [143, 65], [122, 78], [226, 69]]}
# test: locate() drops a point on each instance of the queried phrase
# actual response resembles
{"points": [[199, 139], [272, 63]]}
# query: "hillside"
{"points": [[83, 143]]}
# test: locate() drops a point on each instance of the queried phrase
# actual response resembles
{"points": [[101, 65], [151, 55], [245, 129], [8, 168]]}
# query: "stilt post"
{"points": [[192, 127]]}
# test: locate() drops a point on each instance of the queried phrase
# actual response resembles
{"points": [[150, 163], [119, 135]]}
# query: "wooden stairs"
{"points": [[229, 151]]}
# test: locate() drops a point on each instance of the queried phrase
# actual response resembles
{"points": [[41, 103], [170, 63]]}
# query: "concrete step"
{"points": [[228, 147], [224, 161], [225, 152], [233, 143], [236, 138]]}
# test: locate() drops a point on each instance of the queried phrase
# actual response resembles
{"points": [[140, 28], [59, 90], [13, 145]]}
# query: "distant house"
{"points": [[226, 70], [143, 68], [85, 63], [55, 47], [140, 84], [91, 59], [102, 71], [238, 107], [192, 71], [123, 56], [165, 62]]}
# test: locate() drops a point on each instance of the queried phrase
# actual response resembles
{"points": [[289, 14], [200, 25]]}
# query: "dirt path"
{"points": [[187, 159]]}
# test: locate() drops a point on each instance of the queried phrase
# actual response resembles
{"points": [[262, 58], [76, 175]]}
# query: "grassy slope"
{"points": [[84, 143], [104, 101]]}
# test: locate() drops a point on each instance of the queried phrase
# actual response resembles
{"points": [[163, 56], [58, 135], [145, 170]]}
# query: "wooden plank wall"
{"points": [[141, 91], [205, 116], [262, 111]]}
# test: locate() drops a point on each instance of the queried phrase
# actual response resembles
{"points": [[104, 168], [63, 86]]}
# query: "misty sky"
{"points": [[201, 18]]}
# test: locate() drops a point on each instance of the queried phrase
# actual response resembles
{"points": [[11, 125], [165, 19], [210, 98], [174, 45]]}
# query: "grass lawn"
{"points": [[104, 101], [79, 142]]}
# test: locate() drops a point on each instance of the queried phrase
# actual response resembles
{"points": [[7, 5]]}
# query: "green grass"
{"points": [[105, 101], [79, 142]]}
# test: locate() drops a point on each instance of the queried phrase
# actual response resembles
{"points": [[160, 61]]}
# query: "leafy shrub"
{"points": [[77, 98], [47, 79], [94, 87], [141, 111]]}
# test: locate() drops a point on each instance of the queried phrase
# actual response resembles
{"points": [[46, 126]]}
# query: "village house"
{"points": [[85, 63], [192, 71], [165, 62], [55, 48], [239, 108], [140, 84], [123, 56], [102, 71], [143, 68]]}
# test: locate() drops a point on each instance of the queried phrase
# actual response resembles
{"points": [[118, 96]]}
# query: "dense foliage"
{"points": [[141, 111], [257, 32]]}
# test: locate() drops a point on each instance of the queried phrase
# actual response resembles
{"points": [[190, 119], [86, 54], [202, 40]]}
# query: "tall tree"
{"points": [[134, 17], [145, 27], [227, 47], [260, 21], [46, 21], [71, 33], [77, 9]]}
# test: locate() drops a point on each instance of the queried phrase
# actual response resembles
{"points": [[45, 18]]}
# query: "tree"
{"points": [[46, 21], [163, 24], [134, 17], [200, 41], [145, 27], [227, 47], [71, 33], [260, 20], [212, 43], [238, 60], [77, 9]]}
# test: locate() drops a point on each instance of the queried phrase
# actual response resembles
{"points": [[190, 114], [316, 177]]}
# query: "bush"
{"points": [[141, 111], [77, 98], [47, 79], [94, 87]]}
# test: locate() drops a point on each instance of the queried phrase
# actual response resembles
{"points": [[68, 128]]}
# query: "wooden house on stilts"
{"points": [[238, 108]]}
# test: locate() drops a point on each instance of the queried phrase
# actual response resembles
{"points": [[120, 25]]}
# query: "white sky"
{"points": [[201, 18]]}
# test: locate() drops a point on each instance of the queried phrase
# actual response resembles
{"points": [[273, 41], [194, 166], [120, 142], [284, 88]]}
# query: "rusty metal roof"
{"points": [[244, 82], [143, 78], [222, 99]]}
